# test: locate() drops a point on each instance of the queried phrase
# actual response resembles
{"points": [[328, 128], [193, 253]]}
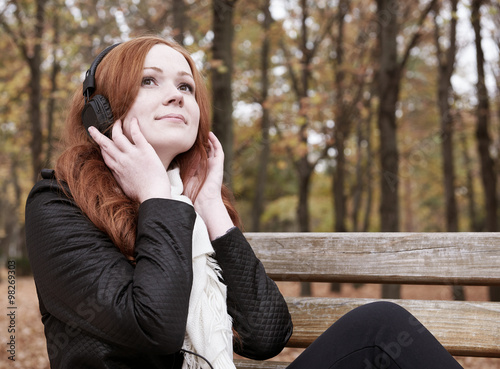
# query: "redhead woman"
{"points": [[135, 246], [121, 236]]}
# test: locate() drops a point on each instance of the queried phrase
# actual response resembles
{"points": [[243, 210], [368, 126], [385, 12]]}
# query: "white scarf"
{"points": [[209, 327]]}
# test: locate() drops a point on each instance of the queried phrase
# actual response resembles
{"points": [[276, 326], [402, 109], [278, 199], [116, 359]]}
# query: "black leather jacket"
{"points": [[100, 311]]}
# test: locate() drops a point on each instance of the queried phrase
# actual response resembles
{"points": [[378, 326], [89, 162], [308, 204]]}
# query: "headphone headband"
{"points": [[89, 82], [97, 111]]}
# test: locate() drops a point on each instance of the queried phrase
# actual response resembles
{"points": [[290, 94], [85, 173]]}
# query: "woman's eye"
{"points": [[148, 81], [186, 87]]}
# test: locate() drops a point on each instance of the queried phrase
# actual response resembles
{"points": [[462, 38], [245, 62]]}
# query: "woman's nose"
{"points": [[173, 96]]}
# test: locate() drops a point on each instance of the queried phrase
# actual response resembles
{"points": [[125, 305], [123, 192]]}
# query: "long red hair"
{"points": [[81, 166]]}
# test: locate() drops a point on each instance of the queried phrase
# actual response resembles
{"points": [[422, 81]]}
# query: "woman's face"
{"points": [[165, 106]]}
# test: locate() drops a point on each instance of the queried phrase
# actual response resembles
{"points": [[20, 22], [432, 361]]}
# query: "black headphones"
{"points": [[97, 110]]}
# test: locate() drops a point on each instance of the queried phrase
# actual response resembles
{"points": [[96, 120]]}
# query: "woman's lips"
{"points": [[173, 118]]}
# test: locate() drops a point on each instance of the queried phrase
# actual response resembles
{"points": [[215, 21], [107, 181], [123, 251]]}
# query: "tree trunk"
{"points": [[341, 130], [13, 241], [261, 179], [358, 189], [483, 117], [303, 167], [35, 96], [300, 86], [471, 201], [221, 77], [53, 90], [369, 166], [446, 66], [339, 200], [304, 170], [389, 78], [488, 175], [179, 15]]}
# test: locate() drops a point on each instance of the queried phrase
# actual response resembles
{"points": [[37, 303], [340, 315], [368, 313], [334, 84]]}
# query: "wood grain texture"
{"points": [[406, 258], [253, 364], [464, 328]]}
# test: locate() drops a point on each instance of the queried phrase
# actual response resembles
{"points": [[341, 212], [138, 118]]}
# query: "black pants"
{"points": [[379, 335]]}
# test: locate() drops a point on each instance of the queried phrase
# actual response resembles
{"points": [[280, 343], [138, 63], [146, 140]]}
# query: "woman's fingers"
{"points": [[107, 146], [117, 132], [135, 165], [119, 138], [108, 149], [216, 146], [214, 140], [97, 136], [215, 164], [120, 141], [209, 199], [136, 135], [215, 153], [211, 149]]}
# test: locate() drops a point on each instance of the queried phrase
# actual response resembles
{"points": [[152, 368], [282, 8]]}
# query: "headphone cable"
{"points": [[195, 354]]}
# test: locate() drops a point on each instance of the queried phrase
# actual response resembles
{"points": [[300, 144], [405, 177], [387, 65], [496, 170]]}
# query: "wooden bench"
{"points": [[465, 328]]}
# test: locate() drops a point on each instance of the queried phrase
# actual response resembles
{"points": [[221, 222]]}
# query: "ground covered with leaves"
{"points": [[30, 349]]}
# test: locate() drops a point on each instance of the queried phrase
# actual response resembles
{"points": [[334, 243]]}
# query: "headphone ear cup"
{"points": [[97, 112]]}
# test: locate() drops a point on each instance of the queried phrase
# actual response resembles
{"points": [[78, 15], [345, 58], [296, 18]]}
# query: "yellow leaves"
{"points": [[282, 165], [282, 210], [316, 100], [219, 66]]}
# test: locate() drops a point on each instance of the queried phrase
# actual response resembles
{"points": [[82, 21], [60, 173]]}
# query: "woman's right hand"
{"points": [[134, 163]]}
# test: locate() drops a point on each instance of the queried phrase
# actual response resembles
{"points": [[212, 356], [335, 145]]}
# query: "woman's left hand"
{"points": [[209, 204]]}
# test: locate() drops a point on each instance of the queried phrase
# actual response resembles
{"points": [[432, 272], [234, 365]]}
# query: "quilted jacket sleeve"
{"points": [[84, 281], [259, 311]]}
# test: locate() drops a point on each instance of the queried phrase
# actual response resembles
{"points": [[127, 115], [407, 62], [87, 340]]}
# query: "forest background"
{"points": [[360, 116]]}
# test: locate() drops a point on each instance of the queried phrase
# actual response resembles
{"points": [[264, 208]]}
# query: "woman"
{"points": [[111, 250], [135, 247]]}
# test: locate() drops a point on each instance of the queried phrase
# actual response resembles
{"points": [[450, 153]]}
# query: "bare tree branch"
{"points": [[417, 34]]}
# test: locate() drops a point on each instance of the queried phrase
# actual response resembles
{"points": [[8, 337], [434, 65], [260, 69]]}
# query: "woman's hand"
{"points": [[135, 165], [208, 204], [210, 192]]}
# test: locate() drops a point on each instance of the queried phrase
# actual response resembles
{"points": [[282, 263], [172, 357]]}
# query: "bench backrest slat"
{"points": [[406, 258]]}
